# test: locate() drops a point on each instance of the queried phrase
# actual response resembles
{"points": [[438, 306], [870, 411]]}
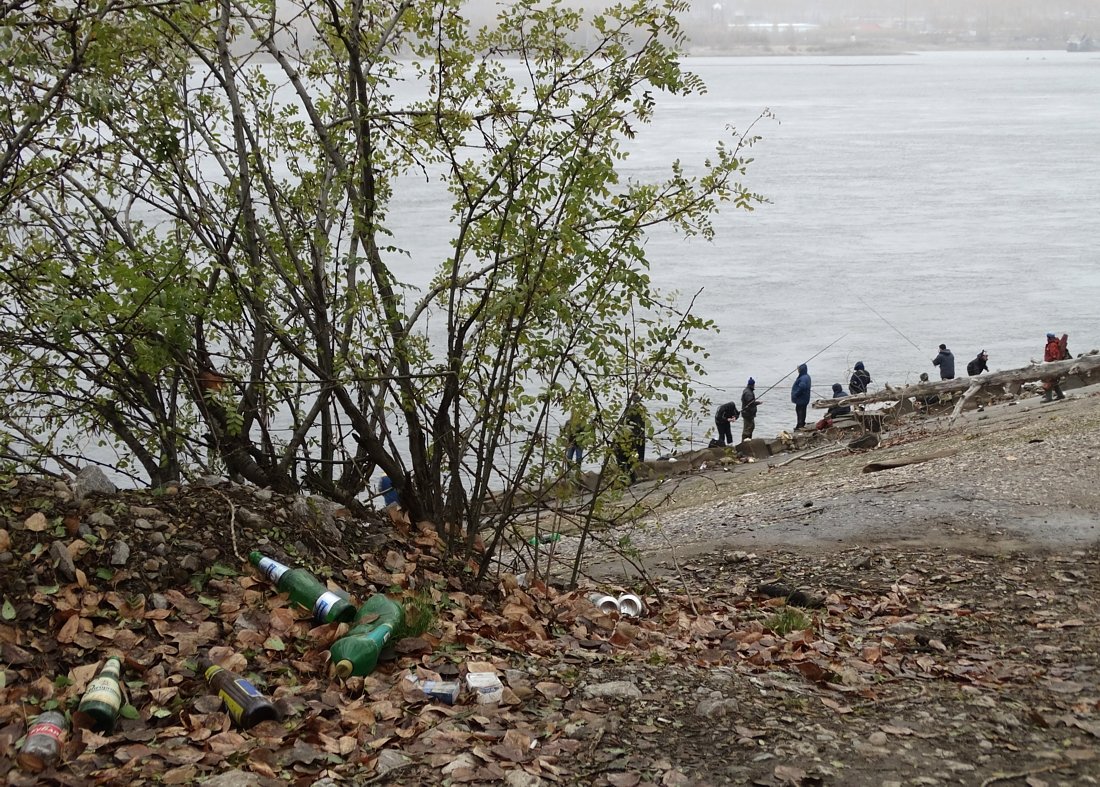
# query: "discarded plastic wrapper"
{"points": [[631, 605], [442, 690], [486, 687], [604, 603]]}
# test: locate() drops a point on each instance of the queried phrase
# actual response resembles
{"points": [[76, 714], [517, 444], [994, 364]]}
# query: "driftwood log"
{"points": [[1082, 365]]}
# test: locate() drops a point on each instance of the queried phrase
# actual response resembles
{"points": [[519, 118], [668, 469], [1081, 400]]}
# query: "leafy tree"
{"points": [[201, 271]]}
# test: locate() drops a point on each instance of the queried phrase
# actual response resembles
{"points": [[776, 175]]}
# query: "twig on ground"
{"points": [[232, 523], [1004, 777]]}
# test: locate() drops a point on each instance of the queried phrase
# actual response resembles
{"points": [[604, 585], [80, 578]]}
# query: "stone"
{"points": [[6, 557], [143, 524], [89, 480], [390, 759], [517, 777], [65, 566], [120, 554], [156, 538], [756, 447], [151, 565], [616, 688], [319, 511], [234, 778], [146, 512], [250, 518], [190, 563], [716, 708], [209, 480], [5, 540], [160, 549], [263, 494], [100, 519], [158, 601]]}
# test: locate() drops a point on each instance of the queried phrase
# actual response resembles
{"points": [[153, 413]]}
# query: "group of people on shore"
{"points": [[1056, 350]]}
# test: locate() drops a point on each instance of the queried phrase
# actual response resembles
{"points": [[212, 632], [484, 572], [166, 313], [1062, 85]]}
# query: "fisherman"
{"points": [[800, 395], [946, 361], [748, 410], [978, 365], [630, 447], [924, 401], [1054, 351], [573, 433], [860, 380], [836, 410], [726, 415]]}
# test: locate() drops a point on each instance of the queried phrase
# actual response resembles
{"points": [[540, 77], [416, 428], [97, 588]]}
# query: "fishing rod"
{"points": [[807, 361], [898, 332]]}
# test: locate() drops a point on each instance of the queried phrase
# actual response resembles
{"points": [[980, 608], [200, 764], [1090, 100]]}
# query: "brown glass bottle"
{"points": [[244, 702], [42, 747]]}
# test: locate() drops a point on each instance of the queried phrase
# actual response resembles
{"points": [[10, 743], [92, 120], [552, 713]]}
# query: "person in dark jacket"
{"points": [[946, 361], [800, 395], [725, 416], [838, 410], [748, 410], [978, 365], [630, 447], [860, 379]]}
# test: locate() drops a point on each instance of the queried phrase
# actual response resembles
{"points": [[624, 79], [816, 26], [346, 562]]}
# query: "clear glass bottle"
{"points": [[99, 707], [305, 590]]}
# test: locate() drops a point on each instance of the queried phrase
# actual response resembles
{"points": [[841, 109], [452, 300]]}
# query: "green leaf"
{"points": [[274, 643], [8, 610], [161, 713], [210, 603], [48, 590], [220, 570], [61, 681], [104, 573], [128, 711]]}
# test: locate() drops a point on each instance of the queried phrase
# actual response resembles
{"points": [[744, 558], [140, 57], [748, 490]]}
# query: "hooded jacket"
{"points": [[800, 391], [860, 379], [838, 409], [978, 365], [946, 361], [748, 402]]}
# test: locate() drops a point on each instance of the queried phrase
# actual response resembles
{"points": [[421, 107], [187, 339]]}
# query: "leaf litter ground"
{"points": [[900, 665]]}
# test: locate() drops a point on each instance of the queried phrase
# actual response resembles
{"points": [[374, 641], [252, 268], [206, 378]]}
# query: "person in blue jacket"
{"points": [[800, 395], [945, 359]]}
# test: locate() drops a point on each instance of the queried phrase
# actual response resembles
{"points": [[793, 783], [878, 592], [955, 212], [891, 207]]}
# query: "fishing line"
{"points": [[807, 361], [899, 333]]}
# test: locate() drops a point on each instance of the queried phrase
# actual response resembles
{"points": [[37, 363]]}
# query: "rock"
{"points": [[234, 778], [100, 519], [5, 540], [156, 538], [151, 565], [65, 566], [615, 688], [158, 601], [319, 511], [518, 777], [716, 707], [250, 518], [390, 759], [91, 479], [146, 512], [190, 563], [160, 550], [143, 524], [209, 480], [263, 494], [877, 739], [120, 554], [6, 557], [84, 529], [210, 555]]}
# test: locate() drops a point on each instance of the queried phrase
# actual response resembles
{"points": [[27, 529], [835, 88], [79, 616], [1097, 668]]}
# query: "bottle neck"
{"points": [[272, 569]]}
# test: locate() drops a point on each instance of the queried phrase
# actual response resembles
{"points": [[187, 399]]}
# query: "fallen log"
{"points": [[1082, 365]]}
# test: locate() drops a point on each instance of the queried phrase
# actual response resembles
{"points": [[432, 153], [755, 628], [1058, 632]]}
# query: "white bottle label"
{"points": [[103, 690], [272, 569], [324, 604]]}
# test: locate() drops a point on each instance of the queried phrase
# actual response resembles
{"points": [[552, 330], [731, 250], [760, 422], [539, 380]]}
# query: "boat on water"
{"points": [[1082, 44]]}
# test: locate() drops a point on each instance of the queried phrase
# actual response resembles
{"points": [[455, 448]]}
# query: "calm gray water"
{"points": [[956, 193]]}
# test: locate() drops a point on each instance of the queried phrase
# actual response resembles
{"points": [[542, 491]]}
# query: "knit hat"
{"points": [[1051, 336], [943, 346], [752, 382]]}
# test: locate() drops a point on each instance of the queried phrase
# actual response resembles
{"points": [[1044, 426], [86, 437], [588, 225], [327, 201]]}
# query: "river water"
{"points": [[956, 194]]}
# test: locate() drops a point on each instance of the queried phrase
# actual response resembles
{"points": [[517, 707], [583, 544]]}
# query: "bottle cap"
{"points": [[344, 668]]}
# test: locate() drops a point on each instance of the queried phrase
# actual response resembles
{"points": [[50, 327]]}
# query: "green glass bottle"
{"points": [[305, 590], [246, 705], [99, 707], [357, 652]]}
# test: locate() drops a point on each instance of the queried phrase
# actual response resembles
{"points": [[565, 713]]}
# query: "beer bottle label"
{"points": [[272, 569], [105, 690], [45, 728], [324, 604]]}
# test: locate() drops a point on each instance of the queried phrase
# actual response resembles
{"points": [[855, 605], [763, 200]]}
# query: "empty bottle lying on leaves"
{"points": [[305, 590], [42, 747], [244, 702], [99, 707], [357, 653]]}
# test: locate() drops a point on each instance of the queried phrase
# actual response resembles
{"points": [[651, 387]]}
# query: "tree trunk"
{"points": [[1084, 365]]}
